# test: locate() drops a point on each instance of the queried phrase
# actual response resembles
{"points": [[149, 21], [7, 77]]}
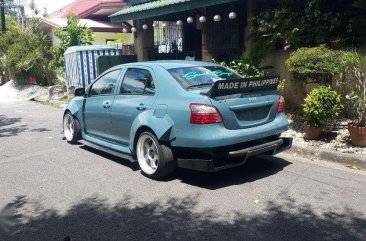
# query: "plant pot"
{"points": [[358, 134], [312, 133]]}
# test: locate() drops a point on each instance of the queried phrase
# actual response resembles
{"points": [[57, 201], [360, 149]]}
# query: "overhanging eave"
{"points": [[147, 10]]}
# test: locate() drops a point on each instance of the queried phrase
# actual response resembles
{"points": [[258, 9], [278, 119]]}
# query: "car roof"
{"points": [[171, 64]]}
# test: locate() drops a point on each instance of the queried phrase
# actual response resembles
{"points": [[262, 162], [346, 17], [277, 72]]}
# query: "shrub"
{"points": [[357, 99], [73, 35], [321, 65], [281, 86], [244, 67], [26, 54], [321, 106]]}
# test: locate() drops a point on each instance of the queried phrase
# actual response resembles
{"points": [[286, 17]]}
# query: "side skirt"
{"points": [[108, 147]]}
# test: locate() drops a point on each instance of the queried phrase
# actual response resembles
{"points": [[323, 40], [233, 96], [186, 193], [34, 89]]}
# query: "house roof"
{"points": [[88, 8], [148, 6], [162, 7], [98, 26], [74, 49]]}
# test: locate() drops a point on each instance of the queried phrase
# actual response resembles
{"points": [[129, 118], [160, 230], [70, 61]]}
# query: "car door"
{"points": [[98, 105], [136, 94]]}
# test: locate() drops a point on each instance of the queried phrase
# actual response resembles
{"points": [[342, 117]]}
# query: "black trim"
{"points": [[109, 151], [242, 85], [257, 149], [238, 157]]}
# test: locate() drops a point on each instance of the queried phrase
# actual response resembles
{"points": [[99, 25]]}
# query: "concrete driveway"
{"points": [[50, 189]]}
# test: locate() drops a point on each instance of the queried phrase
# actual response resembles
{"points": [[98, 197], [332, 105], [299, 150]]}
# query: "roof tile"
{"points": [[79, 7]]}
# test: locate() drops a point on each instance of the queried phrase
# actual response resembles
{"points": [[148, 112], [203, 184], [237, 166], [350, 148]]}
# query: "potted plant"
{"points": [[357, 99], [322, 105]]}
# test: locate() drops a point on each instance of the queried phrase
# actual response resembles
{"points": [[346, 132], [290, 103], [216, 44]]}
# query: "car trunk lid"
{"points": [[245, 103]]}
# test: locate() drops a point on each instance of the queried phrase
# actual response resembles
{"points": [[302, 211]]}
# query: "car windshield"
{"points": [[200, 76]]}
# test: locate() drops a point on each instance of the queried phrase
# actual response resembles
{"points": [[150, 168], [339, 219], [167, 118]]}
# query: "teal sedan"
{"points": [[187, 114]]}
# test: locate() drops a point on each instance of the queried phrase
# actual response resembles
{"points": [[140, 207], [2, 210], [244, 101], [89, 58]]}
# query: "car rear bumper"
{"points": [[216, 135], [235, 158]]}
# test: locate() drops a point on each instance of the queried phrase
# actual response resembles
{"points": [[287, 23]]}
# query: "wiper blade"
{"points": [[199, 85]]}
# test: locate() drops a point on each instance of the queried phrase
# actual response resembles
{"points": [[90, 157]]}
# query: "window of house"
{"points": [[109, 41], [168, 37]]}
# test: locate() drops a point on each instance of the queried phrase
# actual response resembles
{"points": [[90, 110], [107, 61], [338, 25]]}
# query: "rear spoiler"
{"points": [[242, 85]]}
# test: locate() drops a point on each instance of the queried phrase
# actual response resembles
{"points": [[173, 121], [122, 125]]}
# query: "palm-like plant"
{"points": [[358, 97]]}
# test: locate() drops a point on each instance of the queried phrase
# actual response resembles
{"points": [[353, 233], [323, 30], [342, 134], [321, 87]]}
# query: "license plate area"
{"points": [[253, 114]]}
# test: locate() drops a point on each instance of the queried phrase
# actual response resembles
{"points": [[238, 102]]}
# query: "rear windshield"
{"points": [[200, 76]]}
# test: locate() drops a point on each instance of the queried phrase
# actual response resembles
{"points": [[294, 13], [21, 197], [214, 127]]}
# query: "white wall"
{"points": [[100, 38]]}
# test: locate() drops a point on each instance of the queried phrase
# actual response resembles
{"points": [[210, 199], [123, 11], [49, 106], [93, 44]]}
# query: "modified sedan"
{"points": [[187, 114]]}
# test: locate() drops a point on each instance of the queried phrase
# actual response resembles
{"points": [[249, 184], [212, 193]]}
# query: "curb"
{"points": [[328, 155]]}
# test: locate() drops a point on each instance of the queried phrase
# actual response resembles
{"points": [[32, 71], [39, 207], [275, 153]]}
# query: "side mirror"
{"points": [[79, 92]]}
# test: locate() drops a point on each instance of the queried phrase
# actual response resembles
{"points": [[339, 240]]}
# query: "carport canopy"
{"points": [[162, 7]]}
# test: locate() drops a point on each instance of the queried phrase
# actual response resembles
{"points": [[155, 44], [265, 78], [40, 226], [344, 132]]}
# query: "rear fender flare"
{"points": [[161, 126]]}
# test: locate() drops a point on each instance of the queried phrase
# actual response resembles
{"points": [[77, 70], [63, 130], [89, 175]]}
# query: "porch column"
{"points": [[143, 39], [250, 8], [206, 56]]}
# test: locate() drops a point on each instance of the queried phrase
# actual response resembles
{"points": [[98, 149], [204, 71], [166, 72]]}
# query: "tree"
{"points": [[12, 8], [34, 8], [73, 35], [26, 54], [293, 24], [14, 11]]}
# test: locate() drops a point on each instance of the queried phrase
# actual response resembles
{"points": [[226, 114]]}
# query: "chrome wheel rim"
{"points": [[147, 154], [69, 127]]}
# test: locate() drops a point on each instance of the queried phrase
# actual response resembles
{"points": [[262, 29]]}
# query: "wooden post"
{"points": [[2, 12], [250, 8], [143, 40], [206, 56]]}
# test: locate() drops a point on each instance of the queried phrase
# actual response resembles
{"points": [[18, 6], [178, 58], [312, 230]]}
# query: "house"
{"points": [[92, 14], [176, 29], [196, 29]]}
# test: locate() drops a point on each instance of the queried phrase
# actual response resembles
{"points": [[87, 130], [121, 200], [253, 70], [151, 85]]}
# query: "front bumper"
{"points": [[236, 157]]}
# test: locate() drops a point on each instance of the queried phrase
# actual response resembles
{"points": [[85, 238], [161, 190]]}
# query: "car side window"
{"points": [[137, 81], [106, 84]]}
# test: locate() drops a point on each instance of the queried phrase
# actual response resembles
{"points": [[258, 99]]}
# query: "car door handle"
{"points": [[106, 105], [141, 107]]}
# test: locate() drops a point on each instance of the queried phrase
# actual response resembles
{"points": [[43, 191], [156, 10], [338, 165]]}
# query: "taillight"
{"points": [[204, 114], [281, 104]]}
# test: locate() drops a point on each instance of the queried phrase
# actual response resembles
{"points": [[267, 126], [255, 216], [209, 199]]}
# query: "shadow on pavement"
{"points": [[176, 219], [13, 131], [255, 169], [5, 121], [133, 165], [10, 131], [40, 130]]}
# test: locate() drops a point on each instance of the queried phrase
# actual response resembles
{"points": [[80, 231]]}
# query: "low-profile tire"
{"points": [[156, 160], [71, 127]]}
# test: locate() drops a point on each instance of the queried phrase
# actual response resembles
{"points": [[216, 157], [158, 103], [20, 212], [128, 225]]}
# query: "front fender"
{"points": [[75, 107], [162, 125]]}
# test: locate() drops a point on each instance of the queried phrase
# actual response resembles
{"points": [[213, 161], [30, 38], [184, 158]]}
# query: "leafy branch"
{"points": [[73, 35]]}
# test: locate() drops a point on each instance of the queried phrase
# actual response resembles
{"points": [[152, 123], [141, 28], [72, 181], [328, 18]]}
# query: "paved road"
{"points": [[50, 189]]}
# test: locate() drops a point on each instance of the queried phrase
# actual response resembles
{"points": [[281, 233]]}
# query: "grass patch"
{"points": [[46, 103], [65, 98]]}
